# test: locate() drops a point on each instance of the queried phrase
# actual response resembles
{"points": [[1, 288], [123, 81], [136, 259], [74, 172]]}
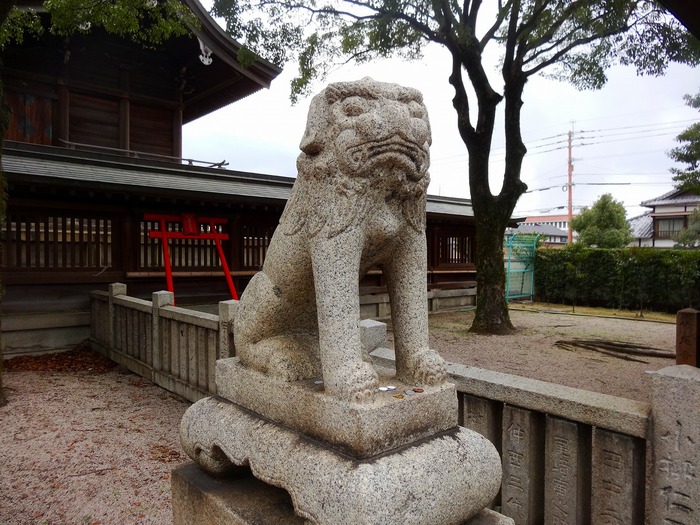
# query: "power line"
{"points": [[637, 131]]}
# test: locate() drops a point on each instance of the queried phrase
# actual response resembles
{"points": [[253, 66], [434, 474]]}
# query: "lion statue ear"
{"points": [[316, 124]]}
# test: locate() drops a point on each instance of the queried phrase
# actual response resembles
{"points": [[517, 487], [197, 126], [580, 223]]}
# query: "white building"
{"points": [[669, 213]]}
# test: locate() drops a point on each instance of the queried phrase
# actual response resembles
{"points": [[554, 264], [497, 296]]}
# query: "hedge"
{"points": [[627, 278]]}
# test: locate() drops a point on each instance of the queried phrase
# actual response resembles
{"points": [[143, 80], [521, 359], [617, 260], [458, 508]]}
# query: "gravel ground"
{"points": [[86, 447], [85, 442]]}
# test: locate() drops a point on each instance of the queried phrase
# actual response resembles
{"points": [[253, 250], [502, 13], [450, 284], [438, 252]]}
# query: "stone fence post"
{"points": [[115, 289], [227, 313], [158, 300], [675, 442], [688, 337]]}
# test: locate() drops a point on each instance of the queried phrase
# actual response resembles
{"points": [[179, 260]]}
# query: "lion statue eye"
{"points": [[354, 106], [416, 110]]}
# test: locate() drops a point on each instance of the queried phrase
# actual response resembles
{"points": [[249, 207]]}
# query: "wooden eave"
{"points": [[232, 81], [687, 12], [46, 167], [210, 87]]}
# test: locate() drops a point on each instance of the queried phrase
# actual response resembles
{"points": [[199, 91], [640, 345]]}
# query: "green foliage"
{"points": [[603, 225], [576, 39], [690, 237], [19, 24], [688, 178], [628, 278], [146, 22]]}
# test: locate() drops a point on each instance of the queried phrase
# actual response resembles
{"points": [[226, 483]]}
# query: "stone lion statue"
{"points": [[358, 202]]}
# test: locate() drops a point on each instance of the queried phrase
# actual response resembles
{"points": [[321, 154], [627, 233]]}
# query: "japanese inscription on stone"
{"points": [[566, 478], [675, 491], [523, 436], [618, 473]]}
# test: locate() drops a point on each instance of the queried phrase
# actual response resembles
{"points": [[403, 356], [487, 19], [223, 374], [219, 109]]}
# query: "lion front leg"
{"points": [[416, 362], [336, 264]]}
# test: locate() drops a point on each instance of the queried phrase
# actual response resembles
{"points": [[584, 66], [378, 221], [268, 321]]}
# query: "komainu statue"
{"points": [[358, 202]]}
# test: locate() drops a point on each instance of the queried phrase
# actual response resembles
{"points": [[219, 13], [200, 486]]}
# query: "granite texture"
{"points": [[442, 480], [390, 419], [675, 490], [358, 202], [200, 499], [490, 517], [302, 405]]}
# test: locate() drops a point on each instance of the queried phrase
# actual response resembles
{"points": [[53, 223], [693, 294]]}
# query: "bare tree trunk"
{"points": [[492, 315]]}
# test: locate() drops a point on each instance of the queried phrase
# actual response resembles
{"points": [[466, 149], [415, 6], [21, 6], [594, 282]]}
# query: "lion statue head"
{"points": [[359, 136]]}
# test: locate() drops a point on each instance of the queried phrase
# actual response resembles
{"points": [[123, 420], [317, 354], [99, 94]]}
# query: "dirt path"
{"points": [[532, 351], [84, 442]]}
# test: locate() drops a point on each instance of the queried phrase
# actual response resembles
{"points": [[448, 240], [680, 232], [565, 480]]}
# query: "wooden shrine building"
{"points": [[94, 148]]}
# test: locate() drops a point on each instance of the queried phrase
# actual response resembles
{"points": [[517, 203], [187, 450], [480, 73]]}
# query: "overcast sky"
{"points": [[620, 134]]}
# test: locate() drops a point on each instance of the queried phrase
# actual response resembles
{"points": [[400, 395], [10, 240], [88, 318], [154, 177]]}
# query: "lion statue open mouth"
{"points": [[358, 202]]}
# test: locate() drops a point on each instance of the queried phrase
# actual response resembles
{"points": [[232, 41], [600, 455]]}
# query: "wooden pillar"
{"points": [[63, 132], [124, 111]]}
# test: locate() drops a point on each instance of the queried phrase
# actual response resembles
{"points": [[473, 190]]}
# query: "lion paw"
{"points": [[356, 383], [425, 367]]}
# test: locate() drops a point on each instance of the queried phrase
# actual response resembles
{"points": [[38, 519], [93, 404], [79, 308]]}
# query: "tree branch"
{"points": [[461, 101], [502, 12]]}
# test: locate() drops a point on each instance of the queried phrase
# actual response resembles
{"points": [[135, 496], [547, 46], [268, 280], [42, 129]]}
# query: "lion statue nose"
{"points": [[396, 120]]}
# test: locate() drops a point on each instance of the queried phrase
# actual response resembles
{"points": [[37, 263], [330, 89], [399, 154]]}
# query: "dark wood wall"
{"points": [[58, 245], [98, 91]]}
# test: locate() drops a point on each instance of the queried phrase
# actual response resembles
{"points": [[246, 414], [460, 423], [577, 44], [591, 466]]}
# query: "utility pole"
{"points": [[569, 186]]}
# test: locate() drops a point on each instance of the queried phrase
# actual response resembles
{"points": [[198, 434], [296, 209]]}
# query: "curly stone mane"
{"points": [[321, 176]]}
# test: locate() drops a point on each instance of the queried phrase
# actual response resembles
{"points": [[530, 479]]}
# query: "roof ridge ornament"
{"points": [[205, 57]]}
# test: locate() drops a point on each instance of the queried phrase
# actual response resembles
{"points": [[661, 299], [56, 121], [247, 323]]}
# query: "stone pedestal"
{"points": [[200, 499], [392, 418], [398, 457]]}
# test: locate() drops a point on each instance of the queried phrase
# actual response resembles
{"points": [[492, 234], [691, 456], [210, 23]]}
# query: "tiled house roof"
{"points": [[673, 197], [642, 226]]}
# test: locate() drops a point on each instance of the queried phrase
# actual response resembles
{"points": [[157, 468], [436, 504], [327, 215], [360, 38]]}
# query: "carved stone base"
{"points": [[390, 419], [442, 480], [200, 499]]}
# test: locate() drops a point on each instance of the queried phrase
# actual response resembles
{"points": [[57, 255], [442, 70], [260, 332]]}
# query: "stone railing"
{"points": [[569, 456], [173, 347]]}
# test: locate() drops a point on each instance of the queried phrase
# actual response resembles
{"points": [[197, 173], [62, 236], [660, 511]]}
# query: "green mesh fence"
{"points": [[519, 252]]}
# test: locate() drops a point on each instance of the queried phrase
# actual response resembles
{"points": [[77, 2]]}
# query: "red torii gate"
{"points": [[191, 229]]}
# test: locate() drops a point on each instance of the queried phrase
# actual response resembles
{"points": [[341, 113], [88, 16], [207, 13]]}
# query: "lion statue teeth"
{"points": [[358, 202]]}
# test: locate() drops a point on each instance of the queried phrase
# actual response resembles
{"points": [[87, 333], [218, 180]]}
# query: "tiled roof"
{"points": [[672, 197], [542, 229], [65, 167], [642, 226]]}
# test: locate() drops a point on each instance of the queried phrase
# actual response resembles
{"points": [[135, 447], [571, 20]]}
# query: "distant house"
{"points": [[552, 237], [558, 221], [642, 228], [659, 228]]}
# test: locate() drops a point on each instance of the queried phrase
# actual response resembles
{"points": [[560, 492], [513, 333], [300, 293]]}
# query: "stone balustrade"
{"points": [[569, 456]]}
